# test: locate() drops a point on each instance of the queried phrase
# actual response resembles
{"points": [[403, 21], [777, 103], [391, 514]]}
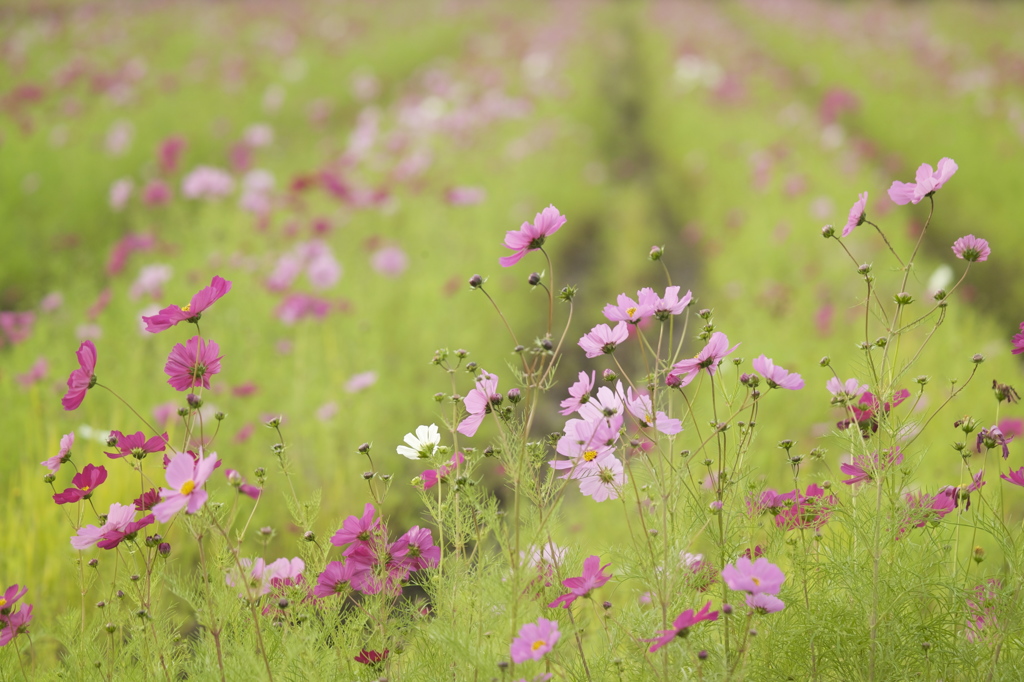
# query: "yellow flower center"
{"points": [[755, 580], [185, 307], [187, 487], [631, 311], [590, 455], [84, 488], [3, 602], [538, 644]]}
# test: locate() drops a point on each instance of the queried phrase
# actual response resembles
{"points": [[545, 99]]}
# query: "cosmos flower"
{"points": [[530, 237], [535, 640], [192, 364], [421, 445], [761, 576], [681, 626], [857, 215], [926, 182], [593, 577], [186, 477], [81, 379], [972, 249], [191, 312]]}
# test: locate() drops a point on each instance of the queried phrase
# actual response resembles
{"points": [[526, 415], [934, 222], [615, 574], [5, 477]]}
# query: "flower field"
{"points": [[455, 340]]}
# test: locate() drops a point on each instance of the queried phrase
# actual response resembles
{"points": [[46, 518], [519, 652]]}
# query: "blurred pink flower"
{"points": [[156, 193], [534, 640], [206, 182], [465, 196], [360, 382], [390, 261], [120, 193], [35, 374], [681, 625], [926, 182]]}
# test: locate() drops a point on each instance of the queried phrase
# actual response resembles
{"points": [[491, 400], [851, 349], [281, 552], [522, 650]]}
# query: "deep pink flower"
{"points": [[799, 510], [602, 339], [535, 640], [982, 611], [432, 477], [10, 596], [530, 237], [593, 577], [415, 550], [776, 377], [765, 603], [1014, 477], [627, 310], [156, 193], [708, 358], [186, 477], [193, 364], [147, 500], [371, 657], [203, 299], [15, 624], [118, 517], [925, 183], [753, 577], [857, 215], [335, 578], [993, 437], [115, 535], [863, 468], [137, 445], [35, 374], [66, 441], [85, 481], [923, 508], [1018, 341], [681, 626], [366, 530], [81, 379], [579, 393], [478, 403], [865, 412], [971, 249]]}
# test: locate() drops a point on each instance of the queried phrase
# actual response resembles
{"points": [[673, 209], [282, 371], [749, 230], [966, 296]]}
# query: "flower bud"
{"points": [[609, 376], [367, 475], [219, 416], [702, 655], [266, 530], [110, 628], [282, 603], [164, 549], [101, 604], [514, 396], [461, 353], [978, 359], [727, 609], [715, 506], [471, 367], [546, 344], [864, 269], [476, 281], [903, 298], [939, 295], [49, 478], [656, 253], [273, 423], [364, 449], [194, 401], [182, 411], [93, 563], [309, 536], [979, 555], [519, 349], [534, 279], [828, 231]]}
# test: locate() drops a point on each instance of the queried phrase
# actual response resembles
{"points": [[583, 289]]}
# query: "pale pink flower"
{"points": [[972, 249], [535, 640], [763, 603], [857, 215], [602, 339], [206, 182], [845, 391], [926, 182], [120, 193], [601, 479], [640, 407], [35, 374], [709, 358], [761, 576], [53, 463], [360, 382], [667, 305], [390, 261], [626, 309], [579, 393], [777, 377], [186, 477], [478, 403], [465, 196], [530, 237]]}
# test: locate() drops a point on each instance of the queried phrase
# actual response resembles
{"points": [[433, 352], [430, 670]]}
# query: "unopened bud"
{"points": [[609, 376], [864, 269], [309, 536], [367, 475], [534, 279], [476, 281], [656, 253], [828, 231], [978, 359], [49, 478], [903, 298], [979, 555], [164, 549], [514, 396], [364, 449], [194, 401]]}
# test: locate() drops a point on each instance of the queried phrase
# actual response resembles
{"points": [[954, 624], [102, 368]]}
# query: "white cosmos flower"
{"points": [[422, 444]]}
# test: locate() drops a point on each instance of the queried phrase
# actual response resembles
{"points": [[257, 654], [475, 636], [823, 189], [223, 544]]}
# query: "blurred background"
{"points": [[348, 166]]}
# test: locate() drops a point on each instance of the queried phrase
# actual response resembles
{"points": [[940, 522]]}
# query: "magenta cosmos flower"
{"points": [[193, 364], [53, 463], [336, 578], [137, 445], [864, 468], [192, 311], [530, 237], [85, 481], [415, 550], [1015, 477], [15, 624], [757, 577], [1018, 341], [81, 379], [535, 640], [10, 596], [478, 403], [708, 358], [593, 577], [857, 215], [776, 377], [681, 626], [972, 249], [602, 339], [925, 183], [186, 477], [367, 530]]}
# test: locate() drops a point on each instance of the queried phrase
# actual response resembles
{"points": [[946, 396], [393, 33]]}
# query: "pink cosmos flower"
{"points": [[206, 182], [864, 468], [193, 311], [668, 305], [593, 577], [169, 153], [925, 183], [237, 480], [365, 530], [857, 215], [845, 391], [81, 379], [982, 611], [15, 624], [640, 407], [336, 577], [628, 310], [535, 640], [530, 237], [478, 403], [186, 477], [147, 500], [803, 510], [761, 576], [16, 326], [53, 463], [866, 411], [156, 193], [607, 406], [972, 249], [85, 481], [120, 193], [118, 517], [1014, 477], [709, 358], [432, 477], [579, 393], [923, 508], [10, 596], [584, 442], [390, 261], [361, 381], [193, 364], [137, 445], [1018, 341], [465, 196], [765, 603], [992, 438], [602, 339], [415, 550], [681, 626], [601, 479], [114, 536], [776, 377]]}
